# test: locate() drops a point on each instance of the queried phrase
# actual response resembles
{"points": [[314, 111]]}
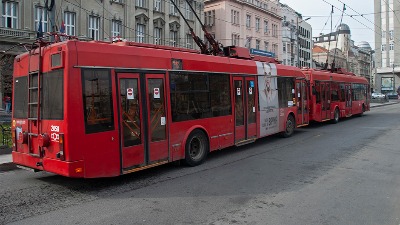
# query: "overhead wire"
{"points": [[363, 23]]}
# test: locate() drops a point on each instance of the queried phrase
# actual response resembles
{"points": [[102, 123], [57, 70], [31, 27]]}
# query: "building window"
{"points": [[173, 38], [157, 35], [265, 26], [274, 30], [189, 41], [258, 44], [391, 46], [157, 6], [140, 28], [391, 34], [172, 9], [209, 18], [257, 24], [274, 48], [41, 16], [235, 39], [140, 3], [284, 47], [266, 45], [69, 23], [248, 19], [10, 15], [248, 42], [94, 27], [383, 48], [188, 11], [235, 17], [116, 28]]}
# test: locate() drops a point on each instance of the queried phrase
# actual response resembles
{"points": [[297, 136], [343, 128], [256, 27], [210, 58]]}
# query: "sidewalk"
{"points": [[390, 102], [5, 154]]}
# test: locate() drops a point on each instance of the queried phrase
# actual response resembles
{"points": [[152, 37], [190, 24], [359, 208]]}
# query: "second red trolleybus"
{"points": [[95, 109], [336, 95]]}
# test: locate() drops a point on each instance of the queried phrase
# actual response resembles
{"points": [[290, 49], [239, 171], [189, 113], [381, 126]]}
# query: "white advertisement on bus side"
{"points": [[268, 98]]}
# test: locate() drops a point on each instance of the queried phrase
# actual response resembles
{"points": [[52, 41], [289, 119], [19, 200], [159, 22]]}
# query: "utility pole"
{"points": [[394, 78]]}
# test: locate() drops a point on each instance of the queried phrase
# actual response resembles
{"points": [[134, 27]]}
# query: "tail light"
{"points": [[61, 154]]}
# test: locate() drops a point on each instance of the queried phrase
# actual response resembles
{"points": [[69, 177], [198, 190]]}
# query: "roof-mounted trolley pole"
{"points": [[199, 42], [216, 50]]}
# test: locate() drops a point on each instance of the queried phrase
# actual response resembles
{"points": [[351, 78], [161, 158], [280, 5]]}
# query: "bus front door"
{"points": [[142, 118], [245, 109], [302, 103]]}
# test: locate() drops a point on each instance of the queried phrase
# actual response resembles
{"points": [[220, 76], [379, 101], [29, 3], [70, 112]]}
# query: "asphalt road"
{"points": [[345, 173]]}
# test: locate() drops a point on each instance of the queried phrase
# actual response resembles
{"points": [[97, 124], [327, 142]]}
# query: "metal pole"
{"points": [[394, 78]]}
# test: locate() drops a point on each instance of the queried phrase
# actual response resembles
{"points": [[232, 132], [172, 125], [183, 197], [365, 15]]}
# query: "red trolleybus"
{"points": [[336, 95], [95, 109]]}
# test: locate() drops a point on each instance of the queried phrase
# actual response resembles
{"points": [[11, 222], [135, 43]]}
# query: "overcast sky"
{"points": [[319, 11]]}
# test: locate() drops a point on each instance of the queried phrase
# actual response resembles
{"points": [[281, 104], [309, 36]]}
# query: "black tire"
{"points": [[336, 116], [196, 148], [289, 127], [363, 110]]}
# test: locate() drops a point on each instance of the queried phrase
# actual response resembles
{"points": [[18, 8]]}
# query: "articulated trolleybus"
{"points": [[96, 109]]}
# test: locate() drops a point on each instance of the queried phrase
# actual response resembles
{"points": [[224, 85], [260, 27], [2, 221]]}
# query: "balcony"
{"points": [[16, 35]]}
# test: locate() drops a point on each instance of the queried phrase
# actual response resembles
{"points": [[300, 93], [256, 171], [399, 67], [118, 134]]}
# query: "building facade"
{"points": [[255, 24], [387, 52], [296, 38], [358, 58], [145, 21]]}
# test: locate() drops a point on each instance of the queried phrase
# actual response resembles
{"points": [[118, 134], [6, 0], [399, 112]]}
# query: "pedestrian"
{"points": [[7, 99]]}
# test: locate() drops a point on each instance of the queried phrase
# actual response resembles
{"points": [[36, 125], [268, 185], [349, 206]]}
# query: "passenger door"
{"points": [[302, 102], [245, 109], [143, 122], [349, 100], [325, 100]]}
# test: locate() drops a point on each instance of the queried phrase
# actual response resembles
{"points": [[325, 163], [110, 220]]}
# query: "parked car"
{"points": [[392, 95], [378, 95]]}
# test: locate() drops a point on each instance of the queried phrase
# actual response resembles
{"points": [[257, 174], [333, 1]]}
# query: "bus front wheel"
{"points": [[289, 128], [196, 148]]}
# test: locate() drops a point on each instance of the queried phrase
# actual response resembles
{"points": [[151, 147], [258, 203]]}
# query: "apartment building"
{"points": [[296, 38], [387, 39], [255, 24]]}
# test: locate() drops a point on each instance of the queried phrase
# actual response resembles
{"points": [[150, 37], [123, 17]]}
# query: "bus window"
{"points": [[20, 110], [97, 100], [198, 96], [52, 95], [285, 93]]}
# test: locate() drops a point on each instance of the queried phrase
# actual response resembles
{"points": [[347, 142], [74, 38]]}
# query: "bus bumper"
{"points": [[64, 168]]}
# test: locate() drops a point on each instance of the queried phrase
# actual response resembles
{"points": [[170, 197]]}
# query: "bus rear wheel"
{"points": [[196, 148], [336, 116], [289, 128]]}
